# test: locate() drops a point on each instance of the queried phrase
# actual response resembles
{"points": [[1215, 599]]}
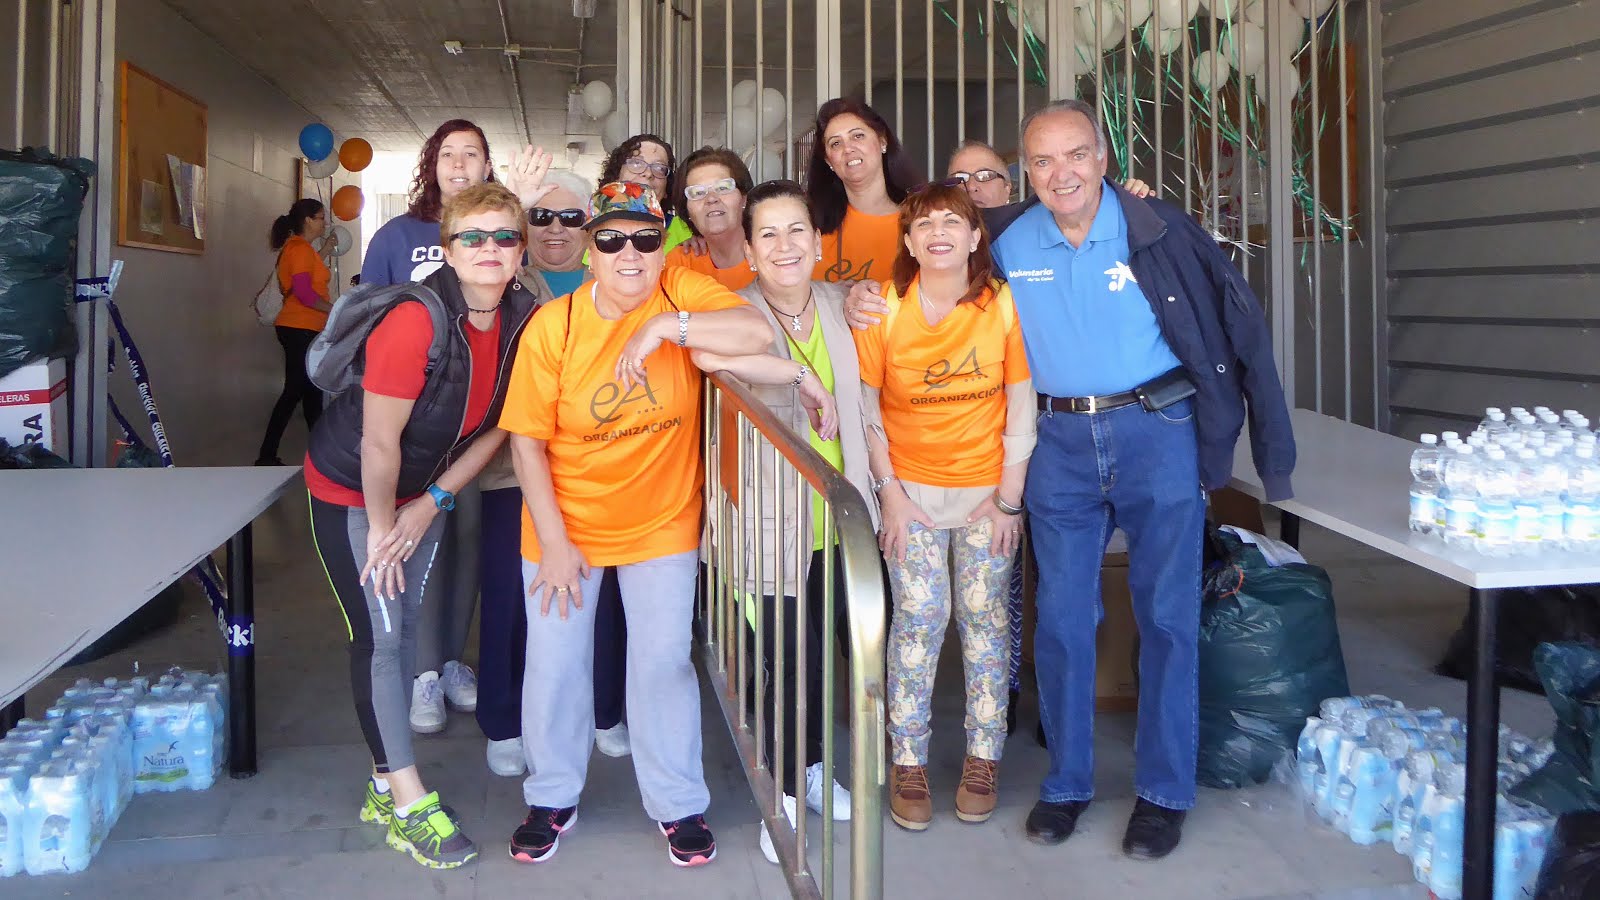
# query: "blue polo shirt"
{"points": [[1086, 325]]}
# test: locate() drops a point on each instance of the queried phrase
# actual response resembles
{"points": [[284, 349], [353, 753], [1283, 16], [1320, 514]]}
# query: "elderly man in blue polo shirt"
{"points": [[1146, 345]]}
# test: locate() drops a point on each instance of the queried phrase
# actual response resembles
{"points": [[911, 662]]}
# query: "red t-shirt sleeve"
{"points": [[397, 352]]}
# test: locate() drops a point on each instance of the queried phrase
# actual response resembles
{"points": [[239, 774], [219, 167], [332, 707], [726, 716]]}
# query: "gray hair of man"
{"points": [[975, 144], [1070, 104], [571, 181]]}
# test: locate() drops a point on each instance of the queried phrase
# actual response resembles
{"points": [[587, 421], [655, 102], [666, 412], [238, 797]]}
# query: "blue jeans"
{"points": [[1090, 473]]}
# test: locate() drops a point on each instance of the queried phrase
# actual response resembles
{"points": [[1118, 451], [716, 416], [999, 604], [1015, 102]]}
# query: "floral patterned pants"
{"points": [[937, 561]]}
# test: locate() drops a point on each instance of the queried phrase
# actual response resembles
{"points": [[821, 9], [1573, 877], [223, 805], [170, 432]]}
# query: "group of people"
{"points": [[528, 430]]}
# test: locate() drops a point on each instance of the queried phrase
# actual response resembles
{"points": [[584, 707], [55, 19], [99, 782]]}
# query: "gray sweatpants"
{"points": [[447, 619], [663, 692]]}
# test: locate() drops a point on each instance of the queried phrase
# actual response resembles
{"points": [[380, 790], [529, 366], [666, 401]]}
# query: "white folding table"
{"points": [[85, 548]]}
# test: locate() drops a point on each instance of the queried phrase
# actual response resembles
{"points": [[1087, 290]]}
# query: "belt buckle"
{"points": [[1090, 402]]}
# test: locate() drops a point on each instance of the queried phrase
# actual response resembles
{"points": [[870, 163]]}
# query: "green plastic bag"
{"points": [[41, 197], [1269, 656], [1570, 781]]}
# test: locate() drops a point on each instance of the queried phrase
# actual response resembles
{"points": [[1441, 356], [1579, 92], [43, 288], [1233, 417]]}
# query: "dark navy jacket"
{"points": [[1214, 325]]}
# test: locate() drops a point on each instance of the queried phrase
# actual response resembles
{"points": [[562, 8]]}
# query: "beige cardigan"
{"points": [[498, 473], [783, 400]]}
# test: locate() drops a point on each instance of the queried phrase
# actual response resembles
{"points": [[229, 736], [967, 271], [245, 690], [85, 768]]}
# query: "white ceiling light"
{"points": [[584, 9]]}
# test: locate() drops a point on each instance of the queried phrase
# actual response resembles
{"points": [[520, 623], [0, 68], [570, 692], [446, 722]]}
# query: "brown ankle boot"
{"points": [[975, 798], [910, 804]]}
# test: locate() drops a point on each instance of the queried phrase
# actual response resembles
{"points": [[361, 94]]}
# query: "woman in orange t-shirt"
{"points": [[946, 371], [711, 188], [859, 174], [604, 413], [303, 279]]}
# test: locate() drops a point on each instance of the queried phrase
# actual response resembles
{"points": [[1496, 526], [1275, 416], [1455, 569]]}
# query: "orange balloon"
{"points": [[355, 154], [347, 202]]}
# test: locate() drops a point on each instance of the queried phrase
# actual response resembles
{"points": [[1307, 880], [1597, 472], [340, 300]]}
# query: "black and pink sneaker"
{"points": [[536, 839], [689, 841]]}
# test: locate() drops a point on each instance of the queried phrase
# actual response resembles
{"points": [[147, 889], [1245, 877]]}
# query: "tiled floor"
{"points": [[292, 831]]}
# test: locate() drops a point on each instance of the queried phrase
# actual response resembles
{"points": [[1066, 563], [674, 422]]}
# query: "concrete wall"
{"points": [[1492, 252], [24, 107], [215, 372]]}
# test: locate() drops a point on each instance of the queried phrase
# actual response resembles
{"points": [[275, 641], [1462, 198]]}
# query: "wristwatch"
{"points": [[442, 498]]}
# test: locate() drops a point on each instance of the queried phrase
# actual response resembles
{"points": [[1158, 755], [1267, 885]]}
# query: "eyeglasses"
{"points": [[571, 218], [721, 187], [980, 176], [950, 182], [610, 240], [473, 238], [638, 166]]}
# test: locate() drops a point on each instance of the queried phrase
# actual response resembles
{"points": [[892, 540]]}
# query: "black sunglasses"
{"points": [[610, 240], [571, 218], [473, 238]]}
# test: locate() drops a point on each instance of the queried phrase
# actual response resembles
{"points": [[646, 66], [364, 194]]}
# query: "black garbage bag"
{"points": [[1269, 656], [1571, 868], [1570, 780], [41, 197], [29, 456], [1526, 618]]}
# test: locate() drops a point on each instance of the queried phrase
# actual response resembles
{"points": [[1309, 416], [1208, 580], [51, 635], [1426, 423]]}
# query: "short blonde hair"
{"points": [[488, 196]]}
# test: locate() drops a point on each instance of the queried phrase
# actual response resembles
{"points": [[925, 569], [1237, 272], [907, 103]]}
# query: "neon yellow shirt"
{"points": [[814, 353]]}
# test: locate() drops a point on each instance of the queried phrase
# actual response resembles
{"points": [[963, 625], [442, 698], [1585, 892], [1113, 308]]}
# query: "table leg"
{"points": [[12, 713], [1483, 740], [241, 656], [1289, 529]]}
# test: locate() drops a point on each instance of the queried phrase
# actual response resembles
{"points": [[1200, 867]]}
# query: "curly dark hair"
{"points": [[720, 156], [426, 202], [826, 192], [630, 147]]}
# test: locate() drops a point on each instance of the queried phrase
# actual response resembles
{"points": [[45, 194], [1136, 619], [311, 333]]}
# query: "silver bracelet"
{"points": [[800, 376], [879, 484], [683, 329], [1005, 507]]}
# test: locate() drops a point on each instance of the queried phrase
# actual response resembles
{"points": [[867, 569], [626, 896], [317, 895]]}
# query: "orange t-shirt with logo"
{"points": [[300, 257], [626, 464], [736, 277], [942, 387], [863, 248]]}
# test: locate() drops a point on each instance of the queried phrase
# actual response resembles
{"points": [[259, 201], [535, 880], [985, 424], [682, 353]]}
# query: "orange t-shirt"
{"points": [[397, 362], [299, 257], [736, 277], [626, 465], [942, 387], [863, 248]]}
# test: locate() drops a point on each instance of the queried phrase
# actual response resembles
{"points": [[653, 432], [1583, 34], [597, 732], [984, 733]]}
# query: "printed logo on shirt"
{"points": [[1121, 277], [1032, 276], [944, 374], [428, 260], [610, 403], [842, 270]]}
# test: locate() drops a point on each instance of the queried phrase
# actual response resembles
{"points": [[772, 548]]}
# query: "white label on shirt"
{"points": [[1032, 276], [1121, 277]]}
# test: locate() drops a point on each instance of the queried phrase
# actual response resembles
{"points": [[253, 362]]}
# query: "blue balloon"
{"points": [[316, 141]]}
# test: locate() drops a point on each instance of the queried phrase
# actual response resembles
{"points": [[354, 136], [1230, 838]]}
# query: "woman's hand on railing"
{"points": [[1007, 528], [820, 406], [562, 569], [899, 511]]}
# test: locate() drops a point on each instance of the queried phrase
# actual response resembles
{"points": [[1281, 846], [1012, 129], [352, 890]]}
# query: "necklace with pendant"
{"points": [[794, 318]]}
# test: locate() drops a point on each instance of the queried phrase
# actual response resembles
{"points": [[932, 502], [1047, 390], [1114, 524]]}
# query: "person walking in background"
{"points": [[303, 278]]}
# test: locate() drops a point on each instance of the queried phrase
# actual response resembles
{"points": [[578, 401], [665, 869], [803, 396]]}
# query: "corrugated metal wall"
{"points": [[1492, 135]]}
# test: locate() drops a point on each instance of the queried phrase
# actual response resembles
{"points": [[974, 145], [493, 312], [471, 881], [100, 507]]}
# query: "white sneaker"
{"points": [[767, 850], [613, 741], [505, 757], [460, 686], [427, 704], [841, 797]]}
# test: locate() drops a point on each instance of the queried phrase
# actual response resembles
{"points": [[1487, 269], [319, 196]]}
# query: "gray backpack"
{"points": [[337, 358]]}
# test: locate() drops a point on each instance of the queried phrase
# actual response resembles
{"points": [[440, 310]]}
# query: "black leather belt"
{"points": [[1087, 404]]}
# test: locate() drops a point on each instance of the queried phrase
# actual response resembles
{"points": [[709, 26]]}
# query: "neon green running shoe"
{"points": [[431, 835], [379, 808]]}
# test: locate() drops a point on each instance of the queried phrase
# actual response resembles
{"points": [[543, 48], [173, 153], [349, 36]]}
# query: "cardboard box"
{"points": [[1116, 655], [33, 405]]}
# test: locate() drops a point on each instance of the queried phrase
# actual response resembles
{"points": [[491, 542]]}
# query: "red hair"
{"points": [[426, 200], [935, 197]]}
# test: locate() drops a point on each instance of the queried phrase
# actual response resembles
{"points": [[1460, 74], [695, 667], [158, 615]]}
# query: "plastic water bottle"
{"points": [[1307, 759], [13, 808], [1411, 789], [160, 739], [1497, 490], [1461, 509], [1582, 502], [1449, 781], [1519, 850], [56, 827], [1528, 513], [1371, 811], [1449, 836], [1494, 423], [1329, 737], [1425, 481], [199, 737]]}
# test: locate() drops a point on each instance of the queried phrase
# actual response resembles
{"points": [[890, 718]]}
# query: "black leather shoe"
{"points": [[1052, 823], [1153, 831]]}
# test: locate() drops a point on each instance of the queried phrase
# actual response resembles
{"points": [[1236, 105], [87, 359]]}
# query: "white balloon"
{"points": [[1256, 11], [1109, 26], [1311, 9], [774, 112], [614, 130], [1175, 14], [338, 240], [597, 99], [743, 128], [1250, 38], [1203, 78], [764, 164], [1170, 41], [324, 167], [1290, 73], [1136, 11], [744, 94]]}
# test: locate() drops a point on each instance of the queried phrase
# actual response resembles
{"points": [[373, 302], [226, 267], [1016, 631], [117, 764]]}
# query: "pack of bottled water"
{"points": [[1377, 771], [1519, 485], [67, 778]]}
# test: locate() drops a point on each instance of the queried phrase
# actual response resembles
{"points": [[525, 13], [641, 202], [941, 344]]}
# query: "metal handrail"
{"points": [[760, 439]]}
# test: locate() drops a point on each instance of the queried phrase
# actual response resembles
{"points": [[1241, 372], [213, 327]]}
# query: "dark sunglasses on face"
{"points": [[473, 238], [980, 176], [638, 166], [609, 240], [571, 218]]}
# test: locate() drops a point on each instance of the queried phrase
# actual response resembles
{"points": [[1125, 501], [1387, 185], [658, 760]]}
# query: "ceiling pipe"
{"points": [[516, 77]]}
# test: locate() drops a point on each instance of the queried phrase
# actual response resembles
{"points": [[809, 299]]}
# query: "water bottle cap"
{"points": [[1585, 451], [1496, 453], [1496, 415], [1451, 436], [1527, 453], [1430, 439]]}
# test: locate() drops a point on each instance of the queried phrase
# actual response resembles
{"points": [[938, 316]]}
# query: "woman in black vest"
{"points": [[385, 461]]}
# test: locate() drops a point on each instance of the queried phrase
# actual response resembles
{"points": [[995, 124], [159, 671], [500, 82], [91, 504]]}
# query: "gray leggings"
{"points": [[442, 631]]}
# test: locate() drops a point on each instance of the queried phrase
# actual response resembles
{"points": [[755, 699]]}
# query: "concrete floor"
{"points": [[292, 830]]}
